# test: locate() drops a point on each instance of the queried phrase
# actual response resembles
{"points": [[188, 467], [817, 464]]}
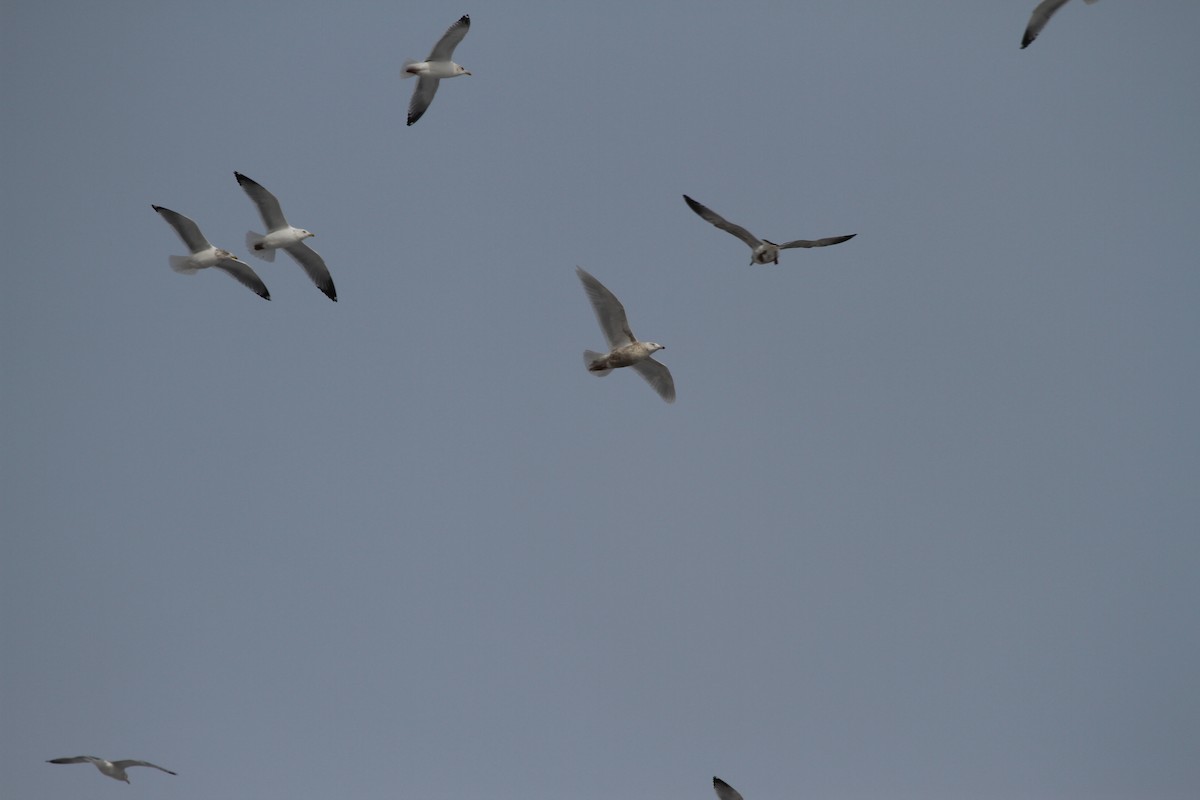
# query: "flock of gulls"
{"points": [[624, 349]]}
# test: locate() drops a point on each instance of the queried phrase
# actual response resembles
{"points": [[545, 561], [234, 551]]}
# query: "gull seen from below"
{"points": [[624, 348], [765, 252], [431, 71], [1041, 15], [113, 769], [282, 235], [204, 255]]}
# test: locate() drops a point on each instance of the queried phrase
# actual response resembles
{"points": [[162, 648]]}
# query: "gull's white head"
{"points": [[223, 253], [303, 234], [459, 69], [654, 347]]}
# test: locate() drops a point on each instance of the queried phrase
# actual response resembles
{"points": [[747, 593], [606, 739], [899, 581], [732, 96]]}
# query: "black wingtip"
{"points": [[156, 208], [465, 18]]}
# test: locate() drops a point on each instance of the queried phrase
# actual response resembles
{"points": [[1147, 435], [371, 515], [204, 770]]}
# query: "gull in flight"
{"points": [[281, 235], [431, 71], [765, 252], [113, 769], [205, 255], [1041, 15], [624, 348]]}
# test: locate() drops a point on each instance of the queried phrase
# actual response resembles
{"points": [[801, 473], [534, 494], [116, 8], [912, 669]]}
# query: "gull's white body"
{"points": [[433, 69], [282, 236], [1040, 16], [204, 255], [113, 769], [761, 250], [624, 348]]}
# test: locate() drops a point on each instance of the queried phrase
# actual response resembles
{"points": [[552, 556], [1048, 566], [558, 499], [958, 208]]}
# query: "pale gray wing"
{"points": [[187, 230], [708, 215], [314, 265], [444, 49], [246, 277], [609, 311], [74, 760], [817, 242], [724, 790], [129, 762], [268, 206], [658, 376], [1041, 15], [422, 96]]}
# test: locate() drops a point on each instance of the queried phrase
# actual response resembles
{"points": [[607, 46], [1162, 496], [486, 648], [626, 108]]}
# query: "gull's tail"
{"points": [[182, 265], [591, 357], [408, 62], [254, 245]]}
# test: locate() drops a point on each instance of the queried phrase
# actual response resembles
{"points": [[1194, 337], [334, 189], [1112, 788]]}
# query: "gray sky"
{"points": [[922, 523]]}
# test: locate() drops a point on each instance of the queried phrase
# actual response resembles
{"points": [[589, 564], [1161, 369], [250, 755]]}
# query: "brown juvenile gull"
{"points": [[431, 71], [765, 252], [624, 348], [282, 235], [1041, 15], [205, 255], [113, 769]]}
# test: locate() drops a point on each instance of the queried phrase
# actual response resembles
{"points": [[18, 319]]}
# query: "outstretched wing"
{"points": [[187, 230], [817, 242], [422, 96], [129, 762], [268, 206], [247, 277], [444, 49], [314, 266], [1038, 19], [724, 790], [609, 311], [658, 376], [709, 215]]}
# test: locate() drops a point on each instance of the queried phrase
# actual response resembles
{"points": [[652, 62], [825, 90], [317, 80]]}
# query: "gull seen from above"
{"points": [[1041, 15], [113, 769], [204, 255], [431, 71], [624, 348], [765, 252], [281, 235]]}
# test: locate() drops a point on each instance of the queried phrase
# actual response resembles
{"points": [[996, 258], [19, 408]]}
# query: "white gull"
{"points": [[765, 252], [282, 235], [113, 769], [431, 71], [204, 255]]}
